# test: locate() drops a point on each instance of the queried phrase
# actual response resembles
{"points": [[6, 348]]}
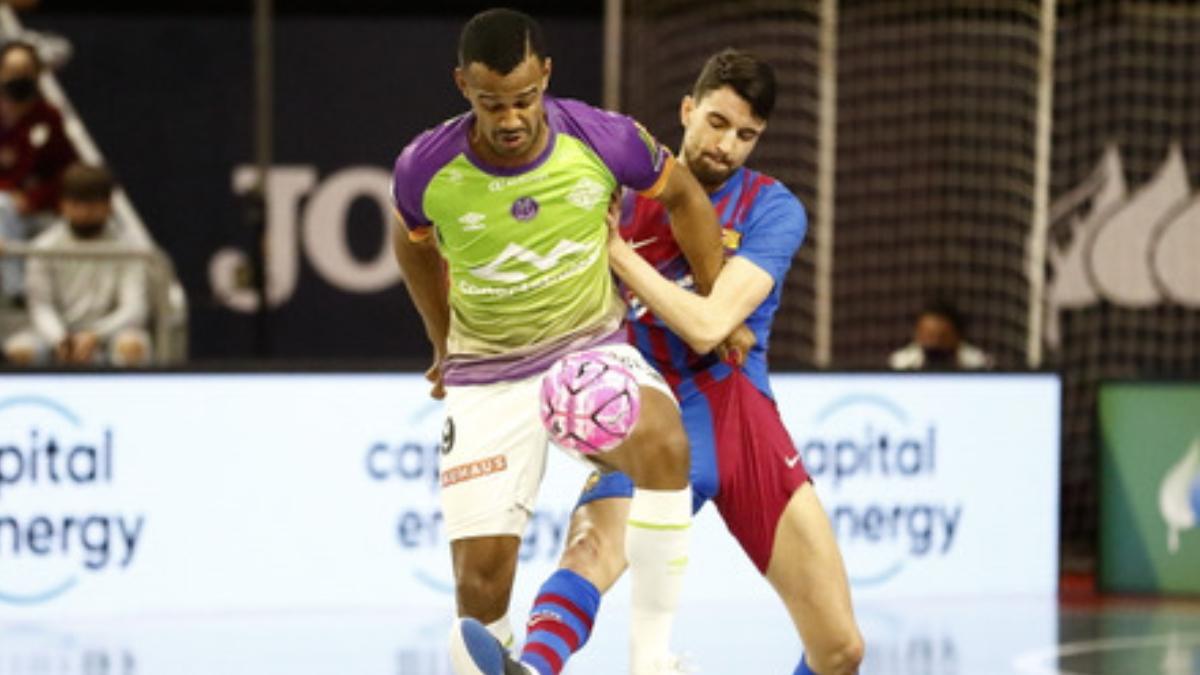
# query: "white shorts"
{"points": [[494, 451]]}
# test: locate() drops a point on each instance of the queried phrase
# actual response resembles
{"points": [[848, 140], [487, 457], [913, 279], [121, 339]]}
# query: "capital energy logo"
{"points": [[414, 461], [879, 463], [50, 459], [1179, 495]]}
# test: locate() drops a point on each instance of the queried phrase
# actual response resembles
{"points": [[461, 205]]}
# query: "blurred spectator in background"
{"points": [[939, 343], [55, 50], [84, 310], [34, 152]]}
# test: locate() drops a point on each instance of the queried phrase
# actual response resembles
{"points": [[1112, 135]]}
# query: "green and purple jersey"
{"points": [[526, 247]]}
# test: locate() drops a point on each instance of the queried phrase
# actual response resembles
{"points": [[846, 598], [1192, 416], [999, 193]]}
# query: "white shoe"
{"points": [[474, 651]]}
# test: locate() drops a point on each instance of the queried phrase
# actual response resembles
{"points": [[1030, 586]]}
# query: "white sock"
{"points": [[656, 543], [501, 629]]}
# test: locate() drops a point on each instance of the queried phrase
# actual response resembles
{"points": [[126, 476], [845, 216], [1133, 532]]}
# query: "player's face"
{"points": [[509, 124], [719, 133]]}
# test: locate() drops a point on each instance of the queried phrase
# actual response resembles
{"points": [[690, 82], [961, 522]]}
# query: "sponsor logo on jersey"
{"points": [[500, 184], [472, 470], [472, 222], [515, 252]]}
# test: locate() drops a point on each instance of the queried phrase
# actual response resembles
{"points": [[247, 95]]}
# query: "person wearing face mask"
{"points": [[939, 343], [34, 153], [84, 310]]}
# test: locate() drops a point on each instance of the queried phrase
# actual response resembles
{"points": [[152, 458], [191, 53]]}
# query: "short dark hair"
{"points": [[87, 183], [945, 309], [752, 78], [500, 39], [13, 45]]}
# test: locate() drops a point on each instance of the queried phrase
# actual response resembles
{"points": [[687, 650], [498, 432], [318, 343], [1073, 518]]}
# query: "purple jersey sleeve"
{"points": [[774, 230], [635, 158], [417, 165]]}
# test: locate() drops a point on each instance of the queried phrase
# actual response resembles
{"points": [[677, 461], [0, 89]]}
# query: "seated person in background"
{"points": [[939, 344], [84, 310], [34, 153], [54, 49]]}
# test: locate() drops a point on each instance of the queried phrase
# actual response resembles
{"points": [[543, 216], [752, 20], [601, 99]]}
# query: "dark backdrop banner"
{"points": [[169, 101]]}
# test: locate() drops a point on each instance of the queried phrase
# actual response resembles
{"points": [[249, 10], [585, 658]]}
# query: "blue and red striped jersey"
{"points": [[763, 222]]}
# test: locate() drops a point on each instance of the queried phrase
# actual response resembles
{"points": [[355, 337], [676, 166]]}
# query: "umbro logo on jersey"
{"points": [[472, 222]]}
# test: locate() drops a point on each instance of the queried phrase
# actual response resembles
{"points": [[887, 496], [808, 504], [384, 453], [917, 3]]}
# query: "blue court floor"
{"points": [[926, 637]]}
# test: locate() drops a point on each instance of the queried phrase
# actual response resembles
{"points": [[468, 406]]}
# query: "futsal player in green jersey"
{"points": [[502, 239]]}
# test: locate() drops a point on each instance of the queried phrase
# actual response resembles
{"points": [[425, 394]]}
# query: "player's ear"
{"points": [[685, 109], [546, 68], [460, 81]]}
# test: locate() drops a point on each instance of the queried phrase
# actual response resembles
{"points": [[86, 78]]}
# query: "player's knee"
{"points": [[669, 451], [482, 594], [842, 657], [596, 556]]}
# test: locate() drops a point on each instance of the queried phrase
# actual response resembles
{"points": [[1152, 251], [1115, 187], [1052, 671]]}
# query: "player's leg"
{"points": [[770, 506], [492, 459], [566, 605], [484, 569], [808, 573], [658, 529], [595, 557]]}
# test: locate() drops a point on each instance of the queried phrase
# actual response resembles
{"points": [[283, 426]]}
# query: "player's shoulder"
{"points": [[434, 147], [767, 186], [634, 157], [771, 194], [603, 130], [569, 115]]}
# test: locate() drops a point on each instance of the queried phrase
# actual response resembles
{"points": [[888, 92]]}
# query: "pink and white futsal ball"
{"points": [[589, 402]]}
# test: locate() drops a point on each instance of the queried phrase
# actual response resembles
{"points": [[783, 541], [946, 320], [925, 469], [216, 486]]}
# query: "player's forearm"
{"points": [[701, 322], [423, 276], [695, 228]]}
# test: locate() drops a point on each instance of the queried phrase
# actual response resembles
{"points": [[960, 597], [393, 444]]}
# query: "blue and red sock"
{"points": [[561, 621]]}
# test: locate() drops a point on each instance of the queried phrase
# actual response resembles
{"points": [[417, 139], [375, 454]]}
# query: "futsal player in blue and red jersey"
{"points": [[742, 458]]}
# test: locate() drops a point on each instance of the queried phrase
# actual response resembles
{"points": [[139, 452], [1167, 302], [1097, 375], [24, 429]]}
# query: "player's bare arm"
{"points": [[702, 321], [694, 225], [421, 265]]}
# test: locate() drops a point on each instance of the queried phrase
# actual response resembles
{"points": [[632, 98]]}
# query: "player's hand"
{"points": [[735, 347], [434, 375], [613, 217]]}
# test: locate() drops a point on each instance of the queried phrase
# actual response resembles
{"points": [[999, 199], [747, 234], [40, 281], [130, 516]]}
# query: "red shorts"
{"points": [[757, 465]]}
